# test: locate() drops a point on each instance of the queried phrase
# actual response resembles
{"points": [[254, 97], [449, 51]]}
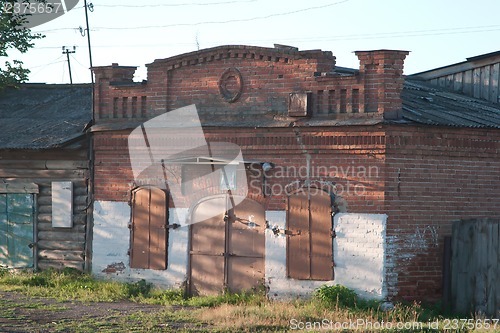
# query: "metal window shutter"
{"points": [[158, 232], [139, 255], [298, 255], [321, 239]]}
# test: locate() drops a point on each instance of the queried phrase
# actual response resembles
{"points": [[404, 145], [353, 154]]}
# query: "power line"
{"points": [[55, 61], [54, 12], [380, 35], [79, 63], [180, 4], [227, 21], [43, 67], [55, 30]]}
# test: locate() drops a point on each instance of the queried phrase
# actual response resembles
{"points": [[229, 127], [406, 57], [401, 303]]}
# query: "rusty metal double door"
{"points": [[227, 251]]}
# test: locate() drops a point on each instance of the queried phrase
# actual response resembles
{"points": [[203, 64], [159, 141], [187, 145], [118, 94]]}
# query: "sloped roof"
{"points": [[42, 116], [39, 116], [426, 104]]}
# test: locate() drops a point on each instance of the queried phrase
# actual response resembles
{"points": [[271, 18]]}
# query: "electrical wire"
{"points": [[380, 35], [179, 4], [79, 63], [226, 21], [63, 71], [55, 61]]}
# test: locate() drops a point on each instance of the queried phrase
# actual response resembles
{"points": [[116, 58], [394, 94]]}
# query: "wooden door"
{"points": [[16, 230]]}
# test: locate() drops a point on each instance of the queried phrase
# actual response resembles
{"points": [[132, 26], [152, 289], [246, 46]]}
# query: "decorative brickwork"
{"points": [[421, 177]]}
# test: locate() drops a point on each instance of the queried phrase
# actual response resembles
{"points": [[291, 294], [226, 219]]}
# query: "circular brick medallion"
{"points": [[231, 85]]}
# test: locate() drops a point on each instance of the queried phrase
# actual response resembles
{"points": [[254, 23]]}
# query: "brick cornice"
{"points": [[242, 52]]}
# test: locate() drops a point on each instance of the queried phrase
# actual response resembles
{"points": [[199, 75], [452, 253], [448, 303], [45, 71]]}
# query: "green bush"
{"points": [[336, 296]]}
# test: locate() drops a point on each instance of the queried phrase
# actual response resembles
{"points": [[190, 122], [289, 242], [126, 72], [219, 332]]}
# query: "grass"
{"points": [[228, 312], [67, 284]]}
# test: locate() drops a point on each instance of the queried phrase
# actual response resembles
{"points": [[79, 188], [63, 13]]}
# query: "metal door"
{"points": [[227, 250], [16, 230]]}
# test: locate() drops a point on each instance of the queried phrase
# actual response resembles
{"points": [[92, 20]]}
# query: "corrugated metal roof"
{"points": [[40, 116], [427, 104]]}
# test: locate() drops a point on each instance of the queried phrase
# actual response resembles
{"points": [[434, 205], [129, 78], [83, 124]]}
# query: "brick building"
{"points": [[351, 176]]}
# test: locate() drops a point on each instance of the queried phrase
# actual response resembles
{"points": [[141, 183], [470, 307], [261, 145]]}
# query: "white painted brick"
{"points": [[112, 240], [359, 252]]}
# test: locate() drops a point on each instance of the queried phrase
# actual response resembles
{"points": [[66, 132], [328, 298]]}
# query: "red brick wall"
{"points": [[112, 172], [434, 176], [268, 76], [349, 161], [427, 178]]}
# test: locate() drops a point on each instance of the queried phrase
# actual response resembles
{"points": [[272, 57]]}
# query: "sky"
{"points": [[132, 33]]}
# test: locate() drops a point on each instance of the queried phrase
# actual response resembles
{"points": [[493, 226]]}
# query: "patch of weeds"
{"points": [[242, 298], [90, 325], [336, 295], [39, 306], [139, 289], [38, 281], [3, 271], [165, 297]]}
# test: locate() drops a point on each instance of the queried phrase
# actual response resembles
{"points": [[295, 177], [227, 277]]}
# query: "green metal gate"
{"points": [[16, 230]]}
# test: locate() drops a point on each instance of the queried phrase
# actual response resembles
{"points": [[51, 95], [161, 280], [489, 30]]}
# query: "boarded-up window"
{"points": [[149, 232], [309, 236], [62, 204]]}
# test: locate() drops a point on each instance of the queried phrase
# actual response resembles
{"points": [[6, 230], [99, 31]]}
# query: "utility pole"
{"points": [[67, 51]]}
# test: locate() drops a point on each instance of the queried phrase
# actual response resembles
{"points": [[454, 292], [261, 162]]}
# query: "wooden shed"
{"points": [[44, 176]]}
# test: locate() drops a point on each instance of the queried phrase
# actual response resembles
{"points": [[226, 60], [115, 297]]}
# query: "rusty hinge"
{"points": [[130, 226], [129, 251], [333, 233], [172, 226]]}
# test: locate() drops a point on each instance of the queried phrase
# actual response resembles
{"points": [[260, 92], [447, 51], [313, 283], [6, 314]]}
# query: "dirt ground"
{"points": [[19, 313]]}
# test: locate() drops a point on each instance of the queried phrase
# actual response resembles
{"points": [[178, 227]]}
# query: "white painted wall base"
{"points": [[358, 252], [111, 243], [279, 285]]}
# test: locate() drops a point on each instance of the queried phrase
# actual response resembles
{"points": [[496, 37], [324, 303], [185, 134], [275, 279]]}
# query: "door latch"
{"points": [[277, 231]]}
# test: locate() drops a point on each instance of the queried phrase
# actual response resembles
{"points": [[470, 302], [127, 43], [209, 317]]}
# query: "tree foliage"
{"points": [[14, 36]]}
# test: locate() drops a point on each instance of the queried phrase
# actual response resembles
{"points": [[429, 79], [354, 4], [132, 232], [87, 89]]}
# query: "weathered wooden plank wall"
{"points": [[481, 82], [55, 247], [475, 269]]}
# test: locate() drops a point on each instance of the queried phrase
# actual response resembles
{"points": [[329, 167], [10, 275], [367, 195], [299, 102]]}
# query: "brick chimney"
{"points": [[105, 78], [114, 73], [382, 72]]}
